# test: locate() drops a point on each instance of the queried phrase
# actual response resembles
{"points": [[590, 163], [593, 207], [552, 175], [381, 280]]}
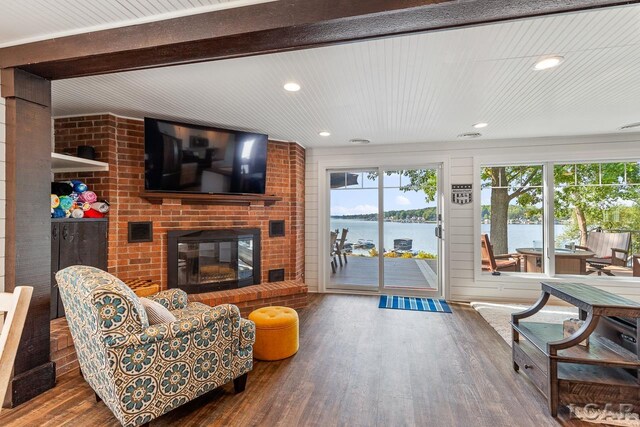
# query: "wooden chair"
{"points": [[340, 246], [332, 249], [635, 265], [493, 263], [15, 306], [610, 249]]}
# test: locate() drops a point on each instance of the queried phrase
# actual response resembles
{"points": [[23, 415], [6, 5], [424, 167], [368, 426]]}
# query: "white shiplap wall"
{"points": [[3, 210], [461, 161]]}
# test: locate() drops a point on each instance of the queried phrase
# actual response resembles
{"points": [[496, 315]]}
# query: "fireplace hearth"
{"points": [[213, 260]]}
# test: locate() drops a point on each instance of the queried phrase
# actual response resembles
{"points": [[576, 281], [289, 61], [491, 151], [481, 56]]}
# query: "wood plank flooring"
{"points": [[357, 366]]}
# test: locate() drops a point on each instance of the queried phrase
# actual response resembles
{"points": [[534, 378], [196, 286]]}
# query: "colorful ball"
{"points": [[55, 201], [65, 202]]}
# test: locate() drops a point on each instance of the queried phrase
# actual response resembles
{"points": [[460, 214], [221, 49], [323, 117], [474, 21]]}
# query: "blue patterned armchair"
{"points": [[142, 371]]}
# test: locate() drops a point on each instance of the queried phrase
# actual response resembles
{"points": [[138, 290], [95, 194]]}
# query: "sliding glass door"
{"points": [[385, 230], [411, 228]]}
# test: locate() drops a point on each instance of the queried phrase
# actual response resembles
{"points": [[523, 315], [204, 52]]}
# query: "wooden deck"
{"points": [[399, 272], [358, 365]]}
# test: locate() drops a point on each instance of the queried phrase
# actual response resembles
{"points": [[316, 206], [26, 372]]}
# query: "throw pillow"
{"points": [[156, 312]]}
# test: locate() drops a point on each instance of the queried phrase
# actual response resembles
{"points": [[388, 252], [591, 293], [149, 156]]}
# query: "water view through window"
{"points": [[409, 247], [512, 219], [596, 218]]}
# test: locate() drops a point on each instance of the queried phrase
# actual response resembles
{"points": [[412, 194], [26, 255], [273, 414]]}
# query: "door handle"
{"points": [[438, 231]]}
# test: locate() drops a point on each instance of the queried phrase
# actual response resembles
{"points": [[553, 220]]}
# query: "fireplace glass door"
{"points": [[202, 263], [213, 260], [245, 258]]}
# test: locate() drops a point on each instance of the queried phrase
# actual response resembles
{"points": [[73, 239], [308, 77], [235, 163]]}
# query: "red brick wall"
{"points": [[63, 353], [120, 142]]}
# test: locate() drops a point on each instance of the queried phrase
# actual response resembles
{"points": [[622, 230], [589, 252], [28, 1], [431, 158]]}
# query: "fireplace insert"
{"points": [[213, 260]]}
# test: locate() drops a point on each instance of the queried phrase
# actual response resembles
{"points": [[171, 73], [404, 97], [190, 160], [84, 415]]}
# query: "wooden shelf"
{"points": [[211, 199], [600, 350], [579, 373], [592, 374], [62, 163]]}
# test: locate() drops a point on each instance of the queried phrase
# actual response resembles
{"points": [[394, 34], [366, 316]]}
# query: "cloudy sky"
{"points": [[365, 201]]}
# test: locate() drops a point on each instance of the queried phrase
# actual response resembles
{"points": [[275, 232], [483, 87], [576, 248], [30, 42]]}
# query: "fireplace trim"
{"points": [[226, 234]]}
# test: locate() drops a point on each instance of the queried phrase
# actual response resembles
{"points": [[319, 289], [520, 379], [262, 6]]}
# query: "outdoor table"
{"points": [[567, 261]]}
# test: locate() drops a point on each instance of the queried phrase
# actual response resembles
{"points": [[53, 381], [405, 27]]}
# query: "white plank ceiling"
{"points": [[23, 21], [419, 88]]}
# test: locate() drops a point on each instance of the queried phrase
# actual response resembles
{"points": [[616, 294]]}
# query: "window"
{"points": [[354, 230], [512, 218], [596, 221], [596, 209]]}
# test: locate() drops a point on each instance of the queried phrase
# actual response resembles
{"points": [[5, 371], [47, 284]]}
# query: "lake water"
{"points": [[423, 235]]}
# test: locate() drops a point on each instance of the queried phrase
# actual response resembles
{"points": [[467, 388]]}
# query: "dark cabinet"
{"points": [[75, 242]]}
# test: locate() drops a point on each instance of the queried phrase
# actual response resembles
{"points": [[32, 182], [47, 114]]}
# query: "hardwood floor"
{"points": [[357, 366]]}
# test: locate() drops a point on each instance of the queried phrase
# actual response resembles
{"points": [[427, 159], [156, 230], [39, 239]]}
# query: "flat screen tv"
{"points": [[182, 157]]}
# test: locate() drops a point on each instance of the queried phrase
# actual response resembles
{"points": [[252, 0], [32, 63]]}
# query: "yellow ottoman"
{"points": [[276, 332]]}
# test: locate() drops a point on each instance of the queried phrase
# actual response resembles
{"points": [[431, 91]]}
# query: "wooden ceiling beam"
{"points": [[264, 28]]}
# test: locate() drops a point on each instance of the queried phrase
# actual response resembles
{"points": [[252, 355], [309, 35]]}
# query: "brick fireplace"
{"points": [[120, 142]]}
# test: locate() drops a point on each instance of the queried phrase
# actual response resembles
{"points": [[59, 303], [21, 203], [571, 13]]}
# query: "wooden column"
{"points": [[28, 224]]}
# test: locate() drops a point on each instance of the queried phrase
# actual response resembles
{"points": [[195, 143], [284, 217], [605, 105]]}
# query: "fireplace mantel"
{"points": [[158, 197]]}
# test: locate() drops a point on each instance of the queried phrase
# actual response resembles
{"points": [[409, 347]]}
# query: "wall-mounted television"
{"points": [[183, 157]]}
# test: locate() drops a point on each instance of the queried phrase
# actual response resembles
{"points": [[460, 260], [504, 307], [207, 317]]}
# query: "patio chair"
{"points": [[635, 265], [610, 249], [340, 246], [496, 263], [332, 250]]}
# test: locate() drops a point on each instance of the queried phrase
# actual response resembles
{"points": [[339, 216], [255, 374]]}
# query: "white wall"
{"points": [[3, 193], [461, 161]]}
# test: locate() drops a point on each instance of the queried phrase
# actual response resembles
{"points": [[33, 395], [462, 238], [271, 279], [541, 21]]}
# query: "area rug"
{"points": [[395, 302], [498, 317]]}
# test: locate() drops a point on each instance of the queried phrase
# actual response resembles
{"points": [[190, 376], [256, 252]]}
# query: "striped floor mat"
{"points": [[416, 304]]}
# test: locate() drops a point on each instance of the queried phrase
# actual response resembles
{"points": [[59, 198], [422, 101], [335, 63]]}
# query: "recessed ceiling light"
{"points": [[469, 135], [292, 87], [547, 63], [481, 125], [360, 141], [324, 133], [630, 126]]}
